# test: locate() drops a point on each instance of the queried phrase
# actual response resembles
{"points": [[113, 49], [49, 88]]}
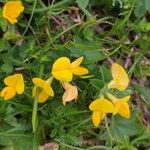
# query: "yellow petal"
{"points": [[11, 80], [79, 71], [124, 110], [43, 96], [76, 69], [77, 62], [63, 75], [16, 81], [120, 78], [126, 98], [70, 94], [8, 93], [123, 107], [97, 116], [61, 69], [44, 85], [62, 63], [102, 105], [38, 82], [66, 85], [120, 105], [11, 10], [20, 84], [48, 89]]}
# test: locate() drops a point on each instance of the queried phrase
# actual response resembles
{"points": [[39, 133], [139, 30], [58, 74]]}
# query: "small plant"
{"points": [[74, 74]]}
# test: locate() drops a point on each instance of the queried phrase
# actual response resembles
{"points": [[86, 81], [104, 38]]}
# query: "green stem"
{"points": [[50, 80], [134, 65], [109, 133], [60, 34], [103, 91], [35, 105], [54, 6], [34, 113], [32, 13]]}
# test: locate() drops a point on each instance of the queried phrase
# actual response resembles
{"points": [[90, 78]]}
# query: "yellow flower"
{"points": [[15, 84], [63, 69], [100, 108], [121, 105], [120, 79], [76, 69], [45, 89], [71, 93], [11, 10]]}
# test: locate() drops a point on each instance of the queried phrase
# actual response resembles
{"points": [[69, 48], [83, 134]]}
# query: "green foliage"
{"points": [[123, 128], [103, 32], [3, 22], [82, 3], [141, 7]]}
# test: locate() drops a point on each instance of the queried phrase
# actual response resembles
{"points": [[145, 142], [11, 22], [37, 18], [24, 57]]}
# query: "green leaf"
{"points": [[141, 7], [143, 91], [144, 26], [7, 67], [88, 34], [4, 45], [98, 84], [105, 74], [3, 24], [90, 52], [82, 3], [147, 5], [122, 128]]}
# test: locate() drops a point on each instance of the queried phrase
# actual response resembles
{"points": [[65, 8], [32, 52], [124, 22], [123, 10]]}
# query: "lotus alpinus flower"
{"points": [[70, 94], [120, 79], [15, 84], [100, 108], [44, 87], [63, 69], [121, 105], [12, 10]]}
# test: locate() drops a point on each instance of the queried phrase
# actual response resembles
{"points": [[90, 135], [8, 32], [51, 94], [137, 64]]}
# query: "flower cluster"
{"points": [[101, 106], [63, 70], [12, 10]]}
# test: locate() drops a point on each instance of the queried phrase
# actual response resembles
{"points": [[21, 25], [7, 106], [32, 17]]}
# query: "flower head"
{"points": [[71, 93], [120, 79], [15, 84], [45, 89], [100, 108], [11, 10], [121, 105], [63, 69]]}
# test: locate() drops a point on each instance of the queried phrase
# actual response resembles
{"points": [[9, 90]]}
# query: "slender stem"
{"points": [[134, 65], [35, 105], [34, 113], [32, 13], [50, 80], [103, 91], [52, 6], [60, 34], [68, 146]]}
